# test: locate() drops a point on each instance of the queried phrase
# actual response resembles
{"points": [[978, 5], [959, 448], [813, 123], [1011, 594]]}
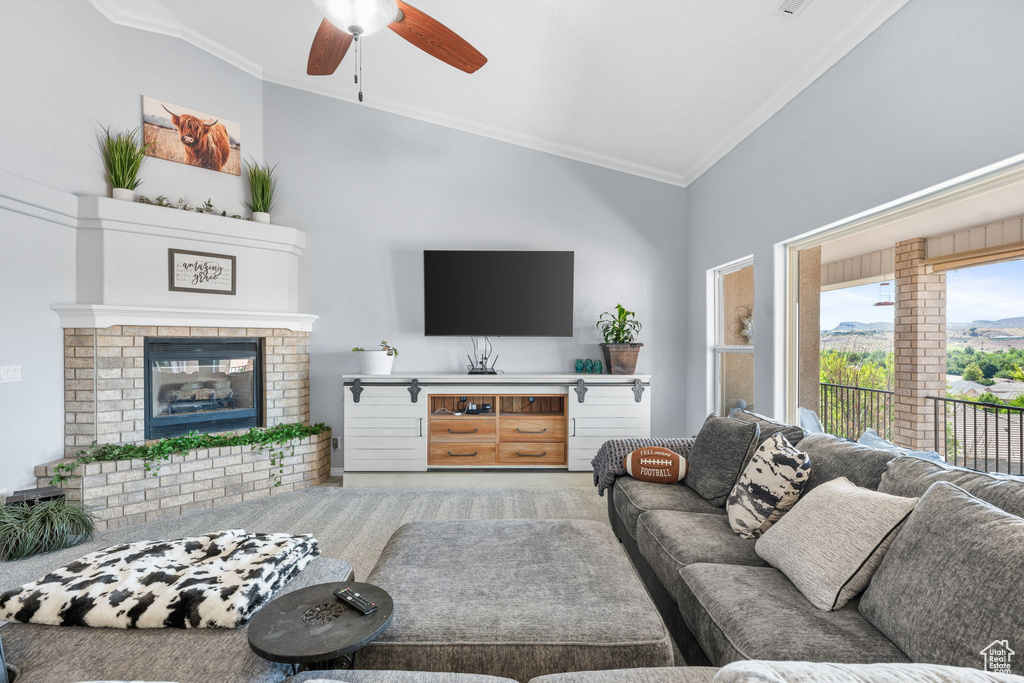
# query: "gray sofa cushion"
{"points": [[832, 457], [721, 450], [360, 676], [664, 674], [671, 540], [79, 653], [793, 433], [738, 612], [633, 497], [911, 477], [970, 553], [833, 540], [810, 672], [460, 590]]}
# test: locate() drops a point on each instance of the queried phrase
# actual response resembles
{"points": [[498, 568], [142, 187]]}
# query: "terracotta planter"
{"points": [[620, 359]]}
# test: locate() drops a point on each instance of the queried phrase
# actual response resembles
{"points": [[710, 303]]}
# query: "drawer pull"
{"points": [[462, 455], [531, 455], [468, 431], [527, 431]]}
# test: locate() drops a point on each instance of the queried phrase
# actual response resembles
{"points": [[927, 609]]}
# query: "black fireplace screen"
{"points": [[202, 384]]}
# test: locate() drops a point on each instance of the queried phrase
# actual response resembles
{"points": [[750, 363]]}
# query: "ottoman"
{"points": [[513, 598]]}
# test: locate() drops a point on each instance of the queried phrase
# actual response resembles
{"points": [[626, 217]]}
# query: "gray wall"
{"points": [[373, 190], [67, 71], [929, 96]]}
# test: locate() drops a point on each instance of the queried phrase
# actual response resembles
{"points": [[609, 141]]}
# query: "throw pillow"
{"points": [[655, 464], [722, 447], [872, 438], [832, 541], [769, 486], [950, 586], [769, 426]]}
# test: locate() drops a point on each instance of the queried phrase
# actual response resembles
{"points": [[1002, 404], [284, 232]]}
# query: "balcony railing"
{"points": [[981, 436], [849, 411]]}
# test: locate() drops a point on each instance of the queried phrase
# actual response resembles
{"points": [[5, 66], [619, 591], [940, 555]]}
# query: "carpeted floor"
{"points": [[351, 524]]}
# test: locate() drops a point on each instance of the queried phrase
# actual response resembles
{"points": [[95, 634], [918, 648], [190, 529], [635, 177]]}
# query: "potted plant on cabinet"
{"points": [[261, 189], [620, 347], [377, 361], [123, 156]]}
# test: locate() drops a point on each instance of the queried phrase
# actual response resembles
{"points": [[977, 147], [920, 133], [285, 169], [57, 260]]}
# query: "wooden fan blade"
{"points": [[329, 47], [434, 38]]}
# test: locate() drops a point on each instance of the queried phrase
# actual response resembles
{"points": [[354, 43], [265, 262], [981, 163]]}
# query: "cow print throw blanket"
{"points": [[215, 581]]}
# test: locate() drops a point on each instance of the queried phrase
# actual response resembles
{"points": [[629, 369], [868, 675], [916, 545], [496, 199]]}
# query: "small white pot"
{"points": [[123, 194], [261, 217], [376, 362]]}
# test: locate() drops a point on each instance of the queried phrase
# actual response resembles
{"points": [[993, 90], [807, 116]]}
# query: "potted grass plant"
{"points": [[620, 330], [261, 189], [377, 361], [30, 529], [123, 156]]}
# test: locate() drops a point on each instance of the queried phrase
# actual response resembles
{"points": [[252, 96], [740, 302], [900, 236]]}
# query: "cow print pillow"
{"points": [[215, 581], [769, 486]]}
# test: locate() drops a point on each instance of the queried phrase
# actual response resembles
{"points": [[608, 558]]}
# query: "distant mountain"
{"points": [[1003, 324], [861, 327]]}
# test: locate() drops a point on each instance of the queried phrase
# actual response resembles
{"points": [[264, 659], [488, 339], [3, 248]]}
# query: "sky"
{"points": [[981, 293]]}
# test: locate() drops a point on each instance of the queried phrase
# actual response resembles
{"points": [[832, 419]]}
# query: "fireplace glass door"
{"points": [[199, 384]]}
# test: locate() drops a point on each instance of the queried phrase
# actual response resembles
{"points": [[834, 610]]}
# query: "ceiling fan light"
{"points": [[362, 17]]}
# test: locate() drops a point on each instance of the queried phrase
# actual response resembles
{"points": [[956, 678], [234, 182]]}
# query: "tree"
{"points": [[989, 369], [973, 373], [974, 331]]}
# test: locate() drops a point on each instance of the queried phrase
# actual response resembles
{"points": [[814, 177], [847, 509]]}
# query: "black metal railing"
{"points": [[981, 436], [848, 411]]}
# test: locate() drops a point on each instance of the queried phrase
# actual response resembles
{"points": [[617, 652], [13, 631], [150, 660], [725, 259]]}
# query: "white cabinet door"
{"points": [[607, 413], [385, 431]]}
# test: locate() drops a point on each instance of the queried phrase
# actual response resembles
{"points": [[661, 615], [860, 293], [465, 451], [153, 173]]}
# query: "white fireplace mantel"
{"points": [[101, 316]]}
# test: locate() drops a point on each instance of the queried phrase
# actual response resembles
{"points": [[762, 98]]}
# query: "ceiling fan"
{"points": [[346, 21]]}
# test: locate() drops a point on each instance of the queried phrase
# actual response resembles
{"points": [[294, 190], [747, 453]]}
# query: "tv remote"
{"points": [[356, 601]]}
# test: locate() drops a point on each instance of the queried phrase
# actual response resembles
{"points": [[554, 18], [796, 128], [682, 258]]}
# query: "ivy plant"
{"points": [[277, 442]]}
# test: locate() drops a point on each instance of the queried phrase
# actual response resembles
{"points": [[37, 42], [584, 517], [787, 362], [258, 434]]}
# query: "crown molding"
{"points": [[873, 16], [326, 88], [866, 23], [176, 30]]}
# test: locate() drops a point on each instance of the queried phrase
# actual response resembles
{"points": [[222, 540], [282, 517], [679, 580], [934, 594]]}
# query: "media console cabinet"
{"points": [[406, 423]]}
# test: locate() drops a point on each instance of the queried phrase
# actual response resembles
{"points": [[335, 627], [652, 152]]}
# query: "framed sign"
{"points": [[200, 271]]}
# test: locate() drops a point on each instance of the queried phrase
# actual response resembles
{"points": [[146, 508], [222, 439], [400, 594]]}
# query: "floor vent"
{"points": [[793, 7]]}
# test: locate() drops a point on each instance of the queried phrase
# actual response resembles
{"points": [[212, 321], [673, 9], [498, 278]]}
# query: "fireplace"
{"points": [[204, 384]]}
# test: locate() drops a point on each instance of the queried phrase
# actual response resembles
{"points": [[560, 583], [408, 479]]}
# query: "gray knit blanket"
{"points": [[608, 461]]}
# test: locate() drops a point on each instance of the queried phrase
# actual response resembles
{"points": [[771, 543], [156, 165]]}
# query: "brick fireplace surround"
{"points": [[104, 389]]}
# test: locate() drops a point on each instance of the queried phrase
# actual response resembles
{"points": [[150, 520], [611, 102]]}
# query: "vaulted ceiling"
{"points": [[658, 88]]}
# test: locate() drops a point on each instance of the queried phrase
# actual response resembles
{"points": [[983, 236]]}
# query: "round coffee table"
{"points": [[312, 629]]}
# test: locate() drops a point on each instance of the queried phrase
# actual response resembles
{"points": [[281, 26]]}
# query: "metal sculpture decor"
{"points": [[323, 614]]}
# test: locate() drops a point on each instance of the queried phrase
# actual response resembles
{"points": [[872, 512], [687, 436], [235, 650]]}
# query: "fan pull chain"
{"points": [[359, 67]]}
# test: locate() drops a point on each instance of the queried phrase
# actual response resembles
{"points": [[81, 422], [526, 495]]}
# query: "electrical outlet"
{"points": [[10, 373], [335, 443]]}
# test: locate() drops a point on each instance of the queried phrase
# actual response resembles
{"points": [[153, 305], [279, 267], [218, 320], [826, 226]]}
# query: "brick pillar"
{"points": [[920, 340]]}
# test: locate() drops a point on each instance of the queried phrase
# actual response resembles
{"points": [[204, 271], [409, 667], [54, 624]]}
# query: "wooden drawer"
{"points": [[531, 454], [461, 454], [546, 429], [455, 429]]}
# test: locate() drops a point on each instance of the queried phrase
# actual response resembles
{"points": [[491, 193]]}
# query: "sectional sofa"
{"points": [[723, 603]]}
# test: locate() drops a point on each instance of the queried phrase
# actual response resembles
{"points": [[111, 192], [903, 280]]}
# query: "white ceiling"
{"points": [[658, 88]]}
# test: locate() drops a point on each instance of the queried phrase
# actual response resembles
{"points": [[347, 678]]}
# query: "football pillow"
{"points": [[656, 464]]}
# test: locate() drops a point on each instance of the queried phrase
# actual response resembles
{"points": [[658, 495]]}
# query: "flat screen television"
{"points": [[498, 293]]}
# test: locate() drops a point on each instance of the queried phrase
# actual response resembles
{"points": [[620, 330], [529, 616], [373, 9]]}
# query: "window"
{"points": [[733, 345]]}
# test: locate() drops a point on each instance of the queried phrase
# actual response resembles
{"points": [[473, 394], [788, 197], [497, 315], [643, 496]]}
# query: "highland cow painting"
{"points": [[191, 137]]}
